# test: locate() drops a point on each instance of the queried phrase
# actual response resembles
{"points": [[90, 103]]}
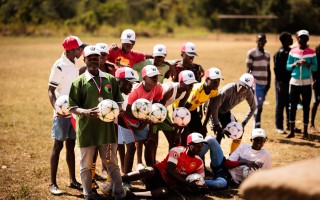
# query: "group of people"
{"points": [[109, 73]]}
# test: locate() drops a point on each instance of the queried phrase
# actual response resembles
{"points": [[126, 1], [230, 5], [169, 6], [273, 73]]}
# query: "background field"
{"points": [[26, 114]]}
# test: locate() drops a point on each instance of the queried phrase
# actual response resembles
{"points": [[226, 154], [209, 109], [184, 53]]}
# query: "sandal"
{"points": [[76, 185]]}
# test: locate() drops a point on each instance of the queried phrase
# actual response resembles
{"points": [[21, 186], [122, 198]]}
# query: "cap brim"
{"points": [[243, 84], [95, 53], [216, 77], [255, 136], [127, 41], [132, 80], [198, 141], [188, 82], [191, 53], [153, 74], [159, 54]]}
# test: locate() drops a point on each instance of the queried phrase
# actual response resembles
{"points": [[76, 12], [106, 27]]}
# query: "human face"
{"points": [[195, 148], [213, 84], [186, 87], [258, 142], [261, 41], [187, 59], [158, 60], [103, 58], [77, 52], [152, 81], [303, 40], [126, 47], [125, 86], [242, 89], [92, 62]]}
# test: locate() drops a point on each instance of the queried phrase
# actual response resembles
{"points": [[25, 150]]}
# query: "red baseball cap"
{"points": [[70, 43]]}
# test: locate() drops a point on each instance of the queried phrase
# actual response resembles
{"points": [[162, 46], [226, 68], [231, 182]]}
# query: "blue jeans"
{"points": [[108, 154], [216, 153]]}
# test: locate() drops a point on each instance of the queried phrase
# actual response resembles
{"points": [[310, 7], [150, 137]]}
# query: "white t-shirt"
{"points": [[63, 73], [261, 157]]}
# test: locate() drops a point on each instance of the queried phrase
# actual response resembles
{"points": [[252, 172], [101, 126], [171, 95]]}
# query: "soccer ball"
{"points": [[108, 110], [246, 172], [61, 105], [181, 116], [159, 113], [105, 187], [235, 129], [141, 108], [195, 178]]}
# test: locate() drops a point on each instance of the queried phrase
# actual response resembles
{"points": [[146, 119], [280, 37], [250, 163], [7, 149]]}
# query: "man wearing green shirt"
{"points": [[86, 92]]}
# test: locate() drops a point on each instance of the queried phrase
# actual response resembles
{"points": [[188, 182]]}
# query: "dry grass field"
{"points": [[26, 114]]}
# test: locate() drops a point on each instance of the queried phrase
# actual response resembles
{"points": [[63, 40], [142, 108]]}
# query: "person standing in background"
{"points": [[301, 62], [258, 64]]}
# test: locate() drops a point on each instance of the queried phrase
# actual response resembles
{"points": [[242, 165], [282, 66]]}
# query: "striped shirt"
{"points": [[259, 63]]}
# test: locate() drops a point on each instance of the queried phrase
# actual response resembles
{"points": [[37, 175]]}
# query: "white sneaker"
{"points": [[140, 166], [280, 131]]}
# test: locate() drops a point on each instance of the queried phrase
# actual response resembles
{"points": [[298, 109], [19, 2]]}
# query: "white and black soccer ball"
{"points": [[235, 129], [181, 116], [195, 178], [108, 110], [61, 105], [141, 108], [158, 113]]}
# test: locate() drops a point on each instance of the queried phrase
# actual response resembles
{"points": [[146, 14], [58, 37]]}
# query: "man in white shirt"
{"points": [[63, 73]]}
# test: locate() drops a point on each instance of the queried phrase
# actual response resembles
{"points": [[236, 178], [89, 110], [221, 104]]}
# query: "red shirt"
{"points": [[128, 59], [138, 92], [186, 165]]}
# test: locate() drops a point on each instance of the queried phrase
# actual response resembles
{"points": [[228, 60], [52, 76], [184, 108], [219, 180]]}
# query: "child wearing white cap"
{"points": [[137, 130], [302, 62], [201, 92], [242, 162], [159, 54], [220, 107], [188, 52], [125, 56]]}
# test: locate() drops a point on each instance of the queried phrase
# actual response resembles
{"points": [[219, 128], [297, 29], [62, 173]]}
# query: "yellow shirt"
{"points": [[198, 96]]}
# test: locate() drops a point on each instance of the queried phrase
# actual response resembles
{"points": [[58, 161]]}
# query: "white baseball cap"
{"points": [[213, 73], [258, 132], [128, 36], [303, 32], [189, 48], [187, 76], [150, 71], [126, 73], [102, 47], [159, 50], [246, 80], [195, 138], [90, 50]]}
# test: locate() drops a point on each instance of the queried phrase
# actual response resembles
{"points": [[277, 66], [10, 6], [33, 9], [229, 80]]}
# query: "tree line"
{"points": [[152, 17]]}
